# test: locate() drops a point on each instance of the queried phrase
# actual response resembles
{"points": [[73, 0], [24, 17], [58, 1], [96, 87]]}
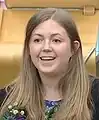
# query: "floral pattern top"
{"points": [[16, 113], [51, 108]]}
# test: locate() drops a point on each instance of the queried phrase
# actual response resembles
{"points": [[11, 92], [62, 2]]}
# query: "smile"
{"points": [[47, 58]]}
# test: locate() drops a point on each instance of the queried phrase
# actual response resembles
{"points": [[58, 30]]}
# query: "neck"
{"points": [[51, 87]]}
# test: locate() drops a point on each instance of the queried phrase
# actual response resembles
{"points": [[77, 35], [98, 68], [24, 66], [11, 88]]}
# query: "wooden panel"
{"points": [[9, 70], [91, 65], [87, 26], [10, 57], [13, 26], [52, 3], [9, 51]]}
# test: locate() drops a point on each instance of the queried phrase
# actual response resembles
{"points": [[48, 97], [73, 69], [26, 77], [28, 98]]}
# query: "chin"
{"points": [[48, 71]]}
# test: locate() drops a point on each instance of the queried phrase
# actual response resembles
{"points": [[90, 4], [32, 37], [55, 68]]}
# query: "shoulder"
{"points": [[95, 97], [3, 94], [95, 89]]}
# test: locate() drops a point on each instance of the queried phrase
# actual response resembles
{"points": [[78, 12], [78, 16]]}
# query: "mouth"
{"points": [[47, 58]]}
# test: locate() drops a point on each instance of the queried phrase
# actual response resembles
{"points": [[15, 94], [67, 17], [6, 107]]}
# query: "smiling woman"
{"points": [[53, 82]]}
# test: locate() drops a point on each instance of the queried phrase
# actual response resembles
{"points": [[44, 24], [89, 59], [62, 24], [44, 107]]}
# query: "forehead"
{"points": [[49, 26]]}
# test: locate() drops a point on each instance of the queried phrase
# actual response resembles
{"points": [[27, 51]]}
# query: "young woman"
{"points": [[53, 82]]}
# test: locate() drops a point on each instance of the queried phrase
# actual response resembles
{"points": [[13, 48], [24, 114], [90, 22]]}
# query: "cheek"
{"points": [[34, 53], [34, 56], [64, 51], [34, 50], [65, 57]]}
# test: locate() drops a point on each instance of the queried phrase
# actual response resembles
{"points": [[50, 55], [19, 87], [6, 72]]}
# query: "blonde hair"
{"points": [[27, 88]]}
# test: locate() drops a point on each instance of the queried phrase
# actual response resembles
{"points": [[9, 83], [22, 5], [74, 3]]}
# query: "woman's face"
{"points": [[50, 48]]}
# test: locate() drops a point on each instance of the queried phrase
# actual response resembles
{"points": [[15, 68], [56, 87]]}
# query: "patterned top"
{"points": [[15, 113], [51, 108]]}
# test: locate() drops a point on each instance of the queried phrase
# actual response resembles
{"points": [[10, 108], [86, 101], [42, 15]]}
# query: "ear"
{"points": [[76, 45]]}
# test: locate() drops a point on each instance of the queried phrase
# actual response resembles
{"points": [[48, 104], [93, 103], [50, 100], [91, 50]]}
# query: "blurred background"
{"points": [[14, 15]]}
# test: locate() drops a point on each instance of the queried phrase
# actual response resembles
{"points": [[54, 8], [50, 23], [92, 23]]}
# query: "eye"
{"points": [[56, 40], [37, 40]]}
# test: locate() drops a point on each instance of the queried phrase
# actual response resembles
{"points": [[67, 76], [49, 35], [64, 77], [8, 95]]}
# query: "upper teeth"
{"points": [[47, 58]]}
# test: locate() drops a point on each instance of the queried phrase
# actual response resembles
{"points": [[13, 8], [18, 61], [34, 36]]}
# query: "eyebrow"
{"points": [[37, 34], [52, 35]]}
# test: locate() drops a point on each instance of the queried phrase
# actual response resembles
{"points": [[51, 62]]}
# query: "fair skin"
{"points": [[50, 51]]}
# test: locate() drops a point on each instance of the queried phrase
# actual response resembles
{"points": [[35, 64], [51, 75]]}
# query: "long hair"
{"points": [[27, 88]]}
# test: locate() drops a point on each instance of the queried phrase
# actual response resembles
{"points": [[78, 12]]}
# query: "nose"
{"points": [[47, 46]]}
